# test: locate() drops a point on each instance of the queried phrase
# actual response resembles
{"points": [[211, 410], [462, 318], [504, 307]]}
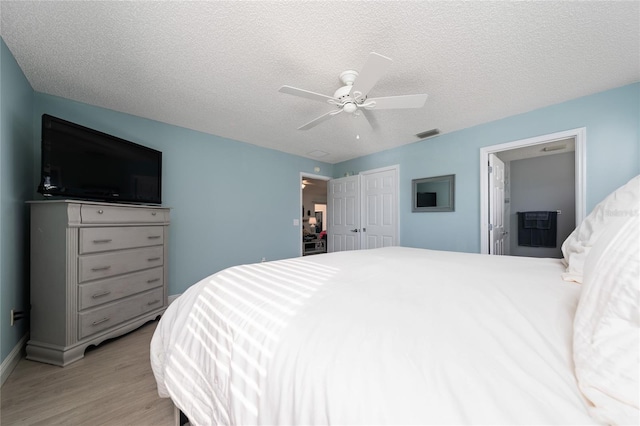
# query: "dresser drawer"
{"points": [[104, 291], [111, 315], [103, 265], [93, 240], [120, 214]]}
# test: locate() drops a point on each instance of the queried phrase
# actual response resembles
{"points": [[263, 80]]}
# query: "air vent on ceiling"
{"points": [[428, 134], [317, 153]]}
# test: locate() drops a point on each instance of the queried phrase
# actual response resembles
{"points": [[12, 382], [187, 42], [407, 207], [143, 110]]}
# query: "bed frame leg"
{"points": [[176, 416], [179, 419]]}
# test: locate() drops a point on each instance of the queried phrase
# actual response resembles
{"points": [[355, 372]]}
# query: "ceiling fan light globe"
{"points": [[350, 108]]}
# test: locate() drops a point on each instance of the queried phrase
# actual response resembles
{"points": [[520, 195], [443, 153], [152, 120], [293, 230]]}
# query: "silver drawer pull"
{"points": [[106, 240], [154, 237], [100, 211], [153, 280], [100, 321], [153, 213], [101, 268], [153, 259], [153, 302], [104, 293]]}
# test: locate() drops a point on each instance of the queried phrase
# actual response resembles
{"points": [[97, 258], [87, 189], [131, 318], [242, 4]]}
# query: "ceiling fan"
{"points": [[352, 97]]}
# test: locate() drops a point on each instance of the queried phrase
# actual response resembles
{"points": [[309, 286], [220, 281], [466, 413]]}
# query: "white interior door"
{"points": [[497, 231], [379, 208], [343, 204]]}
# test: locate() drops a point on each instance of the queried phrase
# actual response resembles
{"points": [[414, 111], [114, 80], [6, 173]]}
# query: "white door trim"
{"points": [[302, 176], [312, 176], [395, 167], [580, 135]]}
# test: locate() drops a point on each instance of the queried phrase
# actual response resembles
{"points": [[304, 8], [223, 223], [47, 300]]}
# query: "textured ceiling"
{"points": [[217, 66]]}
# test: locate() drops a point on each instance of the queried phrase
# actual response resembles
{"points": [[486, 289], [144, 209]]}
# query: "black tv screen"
{"points": [[427, 199], [78, 162]]}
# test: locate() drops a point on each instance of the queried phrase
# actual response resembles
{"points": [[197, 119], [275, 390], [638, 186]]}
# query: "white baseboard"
{"points": [[12, 359], [173, 297]]}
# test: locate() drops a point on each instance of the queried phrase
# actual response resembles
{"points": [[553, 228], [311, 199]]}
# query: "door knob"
{"points": [[354, 230]]}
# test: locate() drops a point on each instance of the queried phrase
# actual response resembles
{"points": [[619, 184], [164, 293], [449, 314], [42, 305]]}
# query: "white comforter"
{"points": [[385, 336]]}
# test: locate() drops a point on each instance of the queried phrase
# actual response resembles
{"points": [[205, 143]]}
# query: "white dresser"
{"points": [[98, 270]]}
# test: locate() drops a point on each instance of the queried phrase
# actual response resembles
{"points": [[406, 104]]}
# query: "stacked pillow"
{"points": [[616, 206], [606, 339]]}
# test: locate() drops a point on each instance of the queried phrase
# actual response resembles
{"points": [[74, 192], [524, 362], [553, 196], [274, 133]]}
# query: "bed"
{"points": [[402, 335]]}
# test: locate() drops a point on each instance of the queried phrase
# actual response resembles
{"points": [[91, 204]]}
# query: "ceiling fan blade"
{"points": [[370, 118], [375, 67], [320, 119], [304, 93], [397, 102]]}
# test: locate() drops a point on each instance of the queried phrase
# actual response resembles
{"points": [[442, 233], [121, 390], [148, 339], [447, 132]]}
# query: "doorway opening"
{"points": [[313, 200], [545, 173]]}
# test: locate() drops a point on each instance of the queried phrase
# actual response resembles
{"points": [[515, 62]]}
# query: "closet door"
{"points": [[380, 208], [363, 211], [343, 204]]}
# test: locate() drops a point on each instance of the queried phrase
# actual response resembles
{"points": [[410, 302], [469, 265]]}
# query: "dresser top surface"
{"points": [[98, 203]]}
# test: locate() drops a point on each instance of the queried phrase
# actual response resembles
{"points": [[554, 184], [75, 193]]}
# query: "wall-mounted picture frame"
{"points": [[433, 194]]}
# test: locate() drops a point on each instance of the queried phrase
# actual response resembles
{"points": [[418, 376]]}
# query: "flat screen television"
{"points": [[78, 162], [427, 199]]}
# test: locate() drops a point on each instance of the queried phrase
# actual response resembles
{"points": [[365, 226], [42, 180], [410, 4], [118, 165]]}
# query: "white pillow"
{"points": [[577, 245], [606, 336]]}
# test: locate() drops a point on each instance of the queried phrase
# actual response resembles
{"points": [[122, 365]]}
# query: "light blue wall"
{"points": [[612, 121], [16, 134], [232, 202]]}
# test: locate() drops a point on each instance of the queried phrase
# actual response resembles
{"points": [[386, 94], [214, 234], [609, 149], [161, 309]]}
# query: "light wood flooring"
{"points": [[112, 385]]}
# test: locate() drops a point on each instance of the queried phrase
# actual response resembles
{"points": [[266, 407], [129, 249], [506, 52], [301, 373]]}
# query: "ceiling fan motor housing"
{"points": [[343, 94], [344, 99]]}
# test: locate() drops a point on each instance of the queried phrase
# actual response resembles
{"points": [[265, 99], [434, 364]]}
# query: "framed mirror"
{"points": [[433, 194]]}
